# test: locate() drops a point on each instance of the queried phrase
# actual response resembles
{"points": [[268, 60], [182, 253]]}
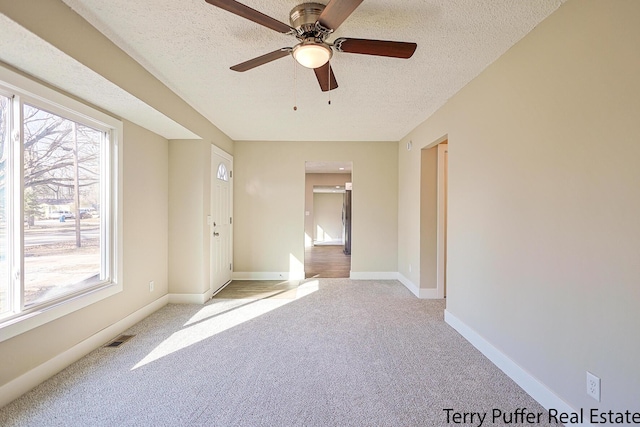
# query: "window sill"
{"points": [[31, 320]]}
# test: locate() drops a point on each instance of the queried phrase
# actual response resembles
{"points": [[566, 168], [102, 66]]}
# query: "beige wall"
{"points": [[428, 217], [269, 194], [311, 180], [327, 217], [145, 221], [189, 163], [543, 202]]}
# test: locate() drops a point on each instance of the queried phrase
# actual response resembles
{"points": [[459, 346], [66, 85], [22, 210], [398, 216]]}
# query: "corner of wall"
{"points": [[520, 376]]}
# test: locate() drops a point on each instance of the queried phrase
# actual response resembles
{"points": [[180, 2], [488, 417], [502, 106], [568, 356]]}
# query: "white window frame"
{"points": [[39, 95]]}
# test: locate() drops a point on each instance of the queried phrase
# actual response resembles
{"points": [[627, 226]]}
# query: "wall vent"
{"points": [[119, 341]]}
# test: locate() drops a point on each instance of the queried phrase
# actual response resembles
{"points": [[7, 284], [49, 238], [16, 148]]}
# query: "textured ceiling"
{"points": [[190, 45], [27, 52]]}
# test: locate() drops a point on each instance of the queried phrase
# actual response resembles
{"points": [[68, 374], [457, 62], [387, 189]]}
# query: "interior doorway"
{"points": [[328, 218]]}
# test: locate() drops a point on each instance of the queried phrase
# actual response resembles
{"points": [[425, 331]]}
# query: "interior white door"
{"points": [[221, 222]]}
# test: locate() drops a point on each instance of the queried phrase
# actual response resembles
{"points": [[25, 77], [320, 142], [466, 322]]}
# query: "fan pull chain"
{"points": [[329, 80], [295, 81]]}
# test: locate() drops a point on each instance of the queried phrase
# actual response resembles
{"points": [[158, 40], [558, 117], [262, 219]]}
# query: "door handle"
{"points": [[216, 234]]}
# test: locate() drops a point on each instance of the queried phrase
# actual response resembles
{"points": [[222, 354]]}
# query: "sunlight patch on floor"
{"points": [[220, 316]]}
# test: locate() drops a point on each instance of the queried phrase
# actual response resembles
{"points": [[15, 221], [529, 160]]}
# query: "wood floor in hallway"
{"points": [[326, 261]]}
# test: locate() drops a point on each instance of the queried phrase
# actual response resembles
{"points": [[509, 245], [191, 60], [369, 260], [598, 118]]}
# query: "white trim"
{"points": [[220, 152], [354, 275], [25, 382], [190, 298], [418, 292], [373, 275], [267, 275], [409, 285], [195, 298], [537, 390], [28, 321]]}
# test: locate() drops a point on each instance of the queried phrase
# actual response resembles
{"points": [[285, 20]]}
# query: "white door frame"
{"points": [[214, 169], [441, 233]]}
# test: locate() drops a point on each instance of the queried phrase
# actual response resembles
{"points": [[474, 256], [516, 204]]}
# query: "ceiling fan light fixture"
{"points": [[312, 54]]}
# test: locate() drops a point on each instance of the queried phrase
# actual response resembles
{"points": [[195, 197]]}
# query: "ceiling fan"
{"points": [[311, 24]]}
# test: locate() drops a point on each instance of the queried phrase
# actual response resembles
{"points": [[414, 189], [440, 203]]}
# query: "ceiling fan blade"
{"points": [[336, 12], [375, 47], [261, 60], [326, 78], [252, 15]]}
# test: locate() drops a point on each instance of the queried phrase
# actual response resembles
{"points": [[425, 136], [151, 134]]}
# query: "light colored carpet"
{"points": [[333, 352]]}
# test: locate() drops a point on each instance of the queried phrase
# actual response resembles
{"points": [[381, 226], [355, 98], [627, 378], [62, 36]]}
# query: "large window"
{"points": [[57, 204], [61, 196]]}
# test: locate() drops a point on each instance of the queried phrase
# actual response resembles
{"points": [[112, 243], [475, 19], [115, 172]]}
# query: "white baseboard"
{"points": [[373, 275], [417, 291], [409, 284], [354, 275], [195, 298], [25, 382], [528, 382], [190, 298], [267, 275]]}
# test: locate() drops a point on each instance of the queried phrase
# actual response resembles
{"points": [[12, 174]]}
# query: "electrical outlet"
{"points": [[151, 286], [593, 386]]}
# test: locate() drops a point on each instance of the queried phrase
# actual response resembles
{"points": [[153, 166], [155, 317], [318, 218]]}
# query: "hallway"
{"points": [[326, 261]]}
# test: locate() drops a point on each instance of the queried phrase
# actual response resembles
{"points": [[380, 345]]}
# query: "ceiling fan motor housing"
{"points": [[304, 17]]}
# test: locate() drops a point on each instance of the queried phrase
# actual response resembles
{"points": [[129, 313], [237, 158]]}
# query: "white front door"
{"points": [[221, 222]]}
